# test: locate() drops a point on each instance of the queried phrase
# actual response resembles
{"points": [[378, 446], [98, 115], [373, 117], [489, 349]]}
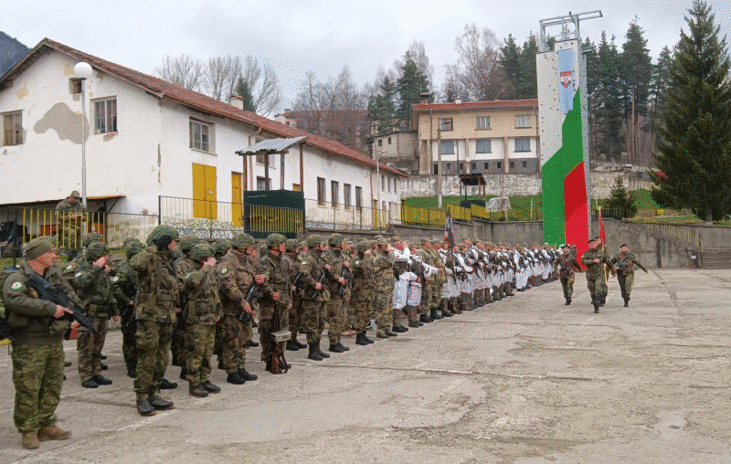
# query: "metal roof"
{"points": [[270, 146]]}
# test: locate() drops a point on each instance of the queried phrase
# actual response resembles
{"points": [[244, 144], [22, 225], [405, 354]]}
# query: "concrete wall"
{"points": [[713, 237]]}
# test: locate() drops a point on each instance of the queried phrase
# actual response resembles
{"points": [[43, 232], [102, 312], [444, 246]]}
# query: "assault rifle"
{"points": [[323, 277], [297, 282], [6, 331], [183, 314], [56, 294], [252, 292], [347, 275]]}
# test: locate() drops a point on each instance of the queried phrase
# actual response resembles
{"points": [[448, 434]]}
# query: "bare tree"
{"points": [[264, 85], [417, 53], [182, 71], [222, 74], [476, 75]]}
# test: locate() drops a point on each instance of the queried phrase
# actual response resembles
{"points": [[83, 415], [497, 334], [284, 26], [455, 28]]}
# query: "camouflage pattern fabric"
{"points": [[153, 346], [38, 377], [89, 346], [199, 341]]}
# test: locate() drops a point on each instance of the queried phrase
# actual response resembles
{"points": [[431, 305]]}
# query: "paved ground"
{"points": [[527, 380]]}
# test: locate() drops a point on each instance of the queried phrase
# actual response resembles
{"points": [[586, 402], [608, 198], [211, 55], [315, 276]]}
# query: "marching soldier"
{"points": [[626, 262], [566, 265], [594, 259]]}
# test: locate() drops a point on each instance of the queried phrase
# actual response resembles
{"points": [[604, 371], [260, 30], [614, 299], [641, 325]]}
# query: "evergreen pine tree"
{"points": [[608, 100], [621, 202], [695, 143], [512, 67], [409, 86], [528, 87], [636, 69], [382, 107], [243, 90]]}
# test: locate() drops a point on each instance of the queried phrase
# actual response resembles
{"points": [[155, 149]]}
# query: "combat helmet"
{"points": [[162, 235], [132, 248], [222, 246], [201, 252], [363, 245], [335, 239], [291, 245], [242, 241], [91, 238], [188, 242], [314, 240], [274, 240], [96, 250]]}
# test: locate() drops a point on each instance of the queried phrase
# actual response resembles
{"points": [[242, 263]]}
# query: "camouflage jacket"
{"points": [[312, 266], [159, 294], [626, 263], [363, 277], [594, 270], [32, 318], [383, 271], [567, 265], [290, 262], [277, 281], [337, 259], [67, 210], [125, 284], [183, 266], [94, 287], [235, 274], [204, 303]]}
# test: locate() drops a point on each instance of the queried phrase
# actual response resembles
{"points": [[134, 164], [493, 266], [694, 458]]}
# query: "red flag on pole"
{"points": [[602, 234]]}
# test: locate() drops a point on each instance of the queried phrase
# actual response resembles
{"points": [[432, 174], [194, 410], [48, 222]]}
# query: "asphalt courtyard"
{"points": [[523, 380]]}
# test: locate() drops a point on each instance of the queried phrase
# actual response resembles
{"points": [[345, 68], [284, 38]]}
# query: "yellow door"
{"points": [[237, 205], [375, 214], [204, 191]]}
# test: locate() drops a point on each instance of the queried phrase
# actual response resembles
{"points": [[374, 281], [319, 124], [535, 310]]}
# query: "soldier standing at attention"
{"points": [[315, 296], [37, 347], [594, 259], [384, 279], [236, 273], [566, 265], [183, 266], [94, 287], [200, 317], [362, 294], [626, 262], [124, 287], [291, 247], [71, 215], [336, 266], [156, 305], [277, 301]]}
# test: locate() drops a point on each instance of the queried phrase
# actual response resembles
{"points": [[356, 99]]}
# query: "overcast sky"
{"points": [[317, 35]]}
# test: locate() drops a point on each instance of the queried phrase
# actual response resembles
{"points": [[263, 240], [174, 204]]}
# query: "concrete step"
{"points": [[716, 259]]}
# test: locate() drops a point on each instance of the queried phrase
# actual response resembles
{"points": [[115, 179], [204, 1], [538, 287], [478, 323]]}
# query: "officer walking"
{"points": [[566, 265], [594, 259], [626, 262]]}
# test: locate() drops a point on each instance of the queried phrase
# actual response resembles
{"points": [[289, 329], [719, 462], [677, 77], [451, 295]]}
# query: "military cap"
{"points": [[335, 239], [623, 245], [132, 248], [221, 246], [37, 247], [314, 240], [75, 194], [242, 241], [201, 252], [188, 242], [564, 246], [291, 244], [275, 239], [91, 238], [363, 245], [96, 250], [161, 234], [129, 240]]}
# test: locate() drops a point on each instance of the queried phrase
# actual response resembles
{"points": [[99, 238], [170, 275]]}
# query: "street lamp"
{"points": [[83, 71]]}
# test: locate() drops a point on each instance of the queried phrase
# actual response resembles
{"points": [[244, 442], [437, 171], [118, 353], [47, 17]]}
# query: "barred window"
{"points": [[522, 144], [105, 116], [448, 147], [13, 128], [483, 146]]}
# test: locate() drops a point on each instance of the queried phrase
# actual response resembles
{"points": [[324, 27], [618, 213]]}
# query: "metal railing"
{"points": [[460, 214], [269, 219], [202, 218], [676, 231], [67, 228], [326, 215], [425, 217]]}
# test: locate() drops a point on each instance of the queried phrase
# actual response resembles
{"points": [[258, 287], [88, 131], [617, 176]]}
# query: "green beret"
{"points": [[37, 247]]}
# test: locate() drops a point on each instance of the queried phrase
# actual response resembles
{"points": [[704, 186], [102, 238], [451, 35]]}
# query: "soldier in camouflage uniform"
{"points": [[200, 317], [70, 268], [221, 247], [291, 247], [37, 346], [277, 301], [236, 273], [315, 295], [363, 289], [93, 285], [626, 262], [594, 259], [156, 305], [566, 265], [70, 212], [384, 281], [337, 266], [124, 287], [183, 266]]}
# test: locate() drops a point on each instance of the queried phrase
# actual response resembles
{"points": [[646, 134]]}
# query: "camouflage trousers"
{"points": [[230, 333], [177, 346], [435, 294], [361, 311], [596, 285], [313, 317], [89, 345], [199, 341], [383, 306], [153, 346], [626, 282], [266, 328], [335, 318], [37, 376], [129, 345], [568, 286], [295, 316]]}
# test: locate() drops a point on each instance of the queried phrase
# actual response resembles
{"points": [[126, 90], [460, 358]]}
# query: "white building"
{"points": [[148, 139]]}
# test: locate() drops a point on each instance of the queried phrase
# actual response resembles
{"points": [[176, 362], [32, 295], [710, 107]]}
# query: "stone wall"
{"points": [[517, 184]]}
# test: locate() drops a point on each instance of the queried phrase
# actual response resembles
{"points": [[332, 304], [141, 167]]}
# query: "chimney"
{"points": [[425, 96], [458, 99], [237, 101]]}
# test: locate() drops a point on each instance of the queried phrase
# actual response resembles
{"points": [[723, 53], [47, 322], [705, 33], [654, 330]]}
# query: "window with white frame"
{"points": [[346, 195], [334, 186], [522, 144], [522, 120], [200, 135], [261, 183], [358, 197], [483, 146], [321, 190], [445, 124], [105, 116], [447, 147], [13, 128], [482, 122]]}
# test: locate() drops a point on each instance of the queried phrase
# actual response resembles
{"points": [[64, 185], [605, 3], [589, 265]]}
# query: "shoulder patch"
{"points": [[115, 279], [78, 274], [357, 262], [224, 270], [304, 262], [17, 285], [69, 267]]}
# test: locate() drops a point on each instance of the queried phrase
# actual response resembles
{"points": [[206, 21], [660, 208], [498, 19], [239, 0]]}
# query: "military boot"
{"points": [[299, 344], [334, 348], [568, 301], [596, 306], [145, 409], [322, 353], [292, 346], [314, 354], [159, 403], [359, 339], [367, 340], [210, 387], [235, 378], [198, 391], [391, 333], [343, 347], [247, 376], [434, 315], [424, 318], [53, 433], [168, 385], [101, 380], [30, 440], [626, 301]]}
